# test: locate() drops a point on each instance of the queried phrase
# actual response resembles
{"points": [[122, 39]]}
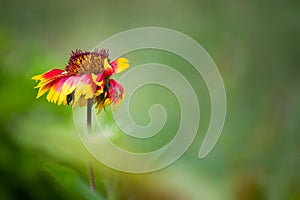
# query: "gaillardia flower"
{"points": [[86, 76]]}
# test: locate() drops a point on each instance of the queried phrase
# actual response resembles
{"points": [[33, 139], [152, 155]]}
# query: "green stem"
{"points": [[89, 127]]}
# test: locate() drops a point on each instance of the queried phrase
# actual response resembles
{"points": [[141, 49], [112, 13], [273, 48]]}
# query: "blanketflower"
{"points": [[86, 76]]}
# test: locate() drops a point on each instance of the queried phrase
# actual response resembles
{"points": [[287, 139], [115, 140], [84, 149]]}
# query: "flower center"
{"points": [[87, 62]]}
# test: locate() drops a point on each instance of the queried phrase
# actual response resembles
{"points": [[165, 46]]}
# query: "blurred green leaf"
{"points": [[70, 180]]}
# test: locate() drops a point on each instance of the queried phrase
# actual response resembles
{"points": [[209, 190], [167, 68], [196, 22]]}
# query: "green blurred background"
{"points": [[255, 44]]}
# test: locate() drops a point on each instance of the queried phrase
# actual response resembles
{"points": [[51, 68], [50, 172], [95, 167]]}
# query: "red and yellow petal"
{"points": [[43, 90], [50, 74], [55, 94], [85, 89], [106, 102], [116, 93], [119, 65], [46, 84], [48, 80], [70, 85]]}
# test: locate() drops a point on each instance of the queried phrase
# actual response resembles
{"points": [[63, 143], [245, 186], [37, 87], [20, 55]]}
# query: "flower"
{"points": [[87, 75]]}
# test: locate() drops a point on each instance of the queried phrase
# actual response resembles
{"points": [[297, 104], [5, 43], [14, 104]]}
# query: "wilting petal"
{"points": [[119, 65], [47, 80], [55, 91], [99, 91], [70, 85], [106, 65], [42, 91], [49, 74], [116, 93], [46, 85], [108, 70], [85, 89], [97, 79], [50, 80], [106, 102]]}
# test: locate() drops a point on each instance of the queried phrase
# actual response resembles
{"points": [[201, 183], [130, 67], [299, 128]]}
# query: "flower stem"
{"points": [[89, 127], [91, 176], [89, 114]]}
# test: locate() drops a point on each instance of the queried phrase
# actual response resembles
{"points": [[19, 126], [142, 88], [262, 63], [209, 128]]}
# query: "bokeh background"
{"points": [[255, 45]]}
